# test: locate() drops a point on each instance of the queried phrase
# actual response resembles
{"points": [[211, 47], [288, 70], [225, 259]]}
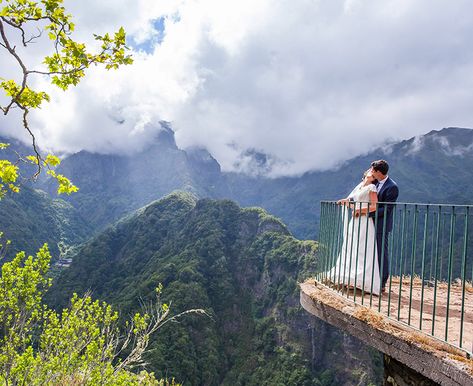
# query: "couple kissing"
{"points": [[363, 261]]}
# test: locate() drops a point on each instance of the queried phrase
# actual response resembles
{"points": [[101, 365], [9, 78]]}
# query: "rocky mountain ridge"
{"points": [[427, 169]]}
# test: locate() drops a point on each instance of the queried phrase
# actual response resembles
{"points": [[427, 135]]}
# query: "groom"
{"points": [[387, 192]]}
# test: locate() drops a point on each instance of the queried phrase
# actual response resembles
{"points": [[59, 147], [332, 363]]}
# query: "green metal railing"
{"points": [[430, 269]]}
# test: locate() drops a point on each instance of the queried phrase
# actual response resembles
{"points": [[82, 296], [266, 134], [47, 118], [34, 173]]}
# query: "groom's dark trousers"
{"points": [[388, 193]]}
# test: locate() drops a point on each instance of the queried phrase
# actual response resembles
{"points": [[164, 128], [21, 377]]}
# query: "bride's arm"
{"points": [[373, 201], [372, 205]]}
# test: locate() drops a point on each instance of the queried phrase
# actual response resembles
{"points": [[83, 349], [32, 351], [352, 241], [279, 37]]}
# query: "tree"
{"points": [[79, 346], [65, 67]]}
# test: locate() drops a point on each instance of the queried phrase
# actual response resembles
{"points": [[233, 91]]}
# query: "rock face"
{"points": [[112, 186], [411, 357], [242, 266], [397, 374]]}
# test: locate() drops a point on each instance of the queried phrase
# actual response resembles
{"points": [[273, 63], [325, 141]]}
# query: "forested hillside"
{"points": [[242, 266], [32, 218]]}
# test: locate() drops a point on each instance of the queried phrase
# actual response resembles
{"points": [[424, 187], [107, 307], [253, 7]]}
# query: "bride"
{"points": [[357, 263]]}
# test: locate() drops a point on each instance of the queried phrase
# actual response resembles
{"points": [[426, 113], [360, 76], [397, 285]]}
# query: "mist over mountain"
{"points": [[113, 185], [427, 169]]}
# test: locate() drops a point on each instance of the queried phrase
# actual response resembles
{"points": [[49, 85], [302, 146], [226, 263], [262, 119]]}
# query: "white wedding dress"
{"points": [[357, 262]]}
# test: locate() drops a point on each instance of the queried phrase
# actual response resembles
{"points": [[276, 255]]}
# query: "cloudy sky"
{"points": [[310, 83]]}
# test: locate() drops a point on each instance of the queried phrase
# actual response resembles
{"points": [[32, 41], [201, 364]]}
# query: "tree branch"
{"points": [[12, 51], [17, 26], [33, 37], [38, 156], [15, 100]]}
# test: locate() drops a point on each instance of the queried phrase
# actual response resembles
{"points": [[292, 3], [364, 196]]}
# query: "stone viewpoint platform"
{"points": [[411, 356]]}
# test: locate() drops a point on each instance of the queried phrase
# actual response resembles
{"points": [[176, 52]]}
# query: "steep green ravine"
{"points": [[242, 265]]}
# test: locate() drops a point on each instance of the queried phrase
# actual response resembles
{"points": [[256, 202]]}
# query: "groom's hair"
{"points": [[380, 166]]}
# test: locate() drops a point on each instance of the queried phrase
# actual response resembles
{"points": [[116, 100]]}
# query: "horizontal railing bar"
{"points": [[406, 203]]}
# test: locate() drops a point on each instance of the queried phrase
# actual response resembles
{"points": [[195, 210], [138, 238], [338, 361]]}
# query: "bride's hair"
{"points": [[365, 174]]}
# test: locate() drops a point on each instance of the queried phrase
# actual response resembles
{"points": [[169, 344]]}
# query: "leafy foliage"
{"points": [[39, 346], [8, 175]]}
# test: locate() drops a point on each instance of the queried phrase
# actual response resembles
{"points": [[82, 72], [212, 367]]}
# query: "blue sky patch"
{"points": [[148, 45]]}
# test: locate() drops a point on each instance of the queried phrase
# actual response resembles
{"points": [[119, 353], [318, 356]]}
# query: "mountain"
{"points": [[427, 169], [31, 218], [242, 266], [114, 185]]}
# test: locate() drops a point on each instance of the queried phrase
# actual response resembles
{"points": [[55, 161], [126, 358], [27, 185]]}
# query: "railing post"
{"points": [[413, 260], [450, 262], [375, 250], [434, 306], [424, 244], [358, 249], [463, 275], [400, 263], [381, 258], [393, 262], [351, 249], [364, 260]]}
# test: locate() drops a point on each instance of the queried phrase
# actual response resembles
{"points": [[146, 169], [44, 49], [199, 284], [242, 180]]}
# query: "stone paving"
{"points": [[421, 311]]}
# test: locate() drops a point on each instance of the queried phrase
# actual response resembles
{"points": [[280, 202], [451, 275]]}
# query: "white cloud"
{"points": [[311, 82], [416, 145]]}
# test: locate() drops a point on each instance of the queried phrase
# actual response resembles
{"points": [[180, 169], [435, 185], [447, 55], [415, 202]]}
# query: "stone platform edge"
{"points": [[436, 360]]}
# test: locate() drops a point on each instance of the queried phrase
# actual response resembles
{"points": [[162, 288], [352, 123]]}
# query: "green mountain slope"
{"points": [[31, 218], [242, 265]]}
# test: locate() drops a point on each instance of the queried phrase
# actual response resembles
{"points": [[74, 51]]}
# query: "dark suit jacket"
{"points": [[388, 193]]}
